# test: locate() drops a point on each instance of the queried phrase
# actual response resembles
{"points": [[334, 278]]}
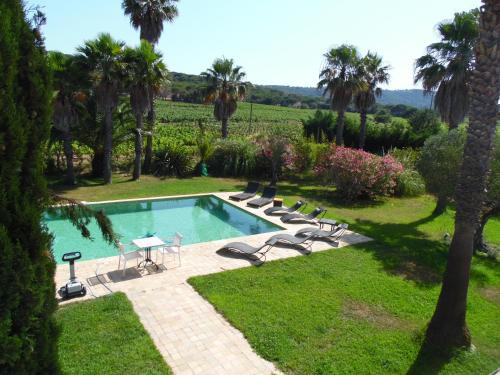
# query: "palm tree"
{"points": [[145, 70], [225, 88], [374, 74], [64, 114], [448, 326], [149, 16], [103, 58], [340, 78], [447, 67]]}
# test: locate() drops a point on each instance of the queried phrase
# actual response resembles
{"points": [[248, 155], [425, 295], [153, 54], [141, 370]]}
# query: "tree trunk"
{"points": [[441, 204], [108, 146], [488, 212], [68, 153], [362, 129], [452, 124], [97, 162], [339, 138], [148, 153], [448, 327], [138, 147], [224, 127]]}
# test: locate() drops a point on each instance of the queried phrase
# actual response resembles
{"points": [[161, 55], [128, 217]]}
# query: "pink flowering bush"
{"points": [[357, 174]]}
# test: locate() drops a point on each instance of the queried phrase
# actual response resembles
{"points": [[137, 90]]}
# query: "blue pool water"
{"points": [[198, 219]]}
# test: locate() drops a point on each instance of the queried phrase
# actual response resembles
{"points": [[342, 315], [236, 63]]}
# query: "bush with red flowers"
{"points": [[358, 174]]}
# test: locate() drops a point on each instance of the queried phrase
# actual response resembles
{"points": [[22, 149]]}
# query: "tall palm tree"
{"points": [[373, 73], [225, 88], [447, 67], [64, 114], [145, 70], [149, 17], [340, 79], [448, 326], [103, 58]]}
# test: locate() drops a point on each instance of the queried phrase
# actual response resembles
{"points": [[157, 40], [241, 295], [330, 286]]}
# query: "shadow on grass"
{"points": [[322, 195], [430, 360], [404, 250]]}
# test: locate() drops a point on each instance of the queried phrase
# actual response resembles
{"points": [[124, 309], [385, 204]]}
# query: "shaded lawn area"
{"points": [[339, 312], [123, 187], [104, 336], [358, 309]]}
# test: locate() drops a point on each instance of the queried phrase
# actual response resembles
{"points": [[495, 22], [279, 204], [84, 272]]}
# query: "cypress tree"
{"points": [[27, 291]]}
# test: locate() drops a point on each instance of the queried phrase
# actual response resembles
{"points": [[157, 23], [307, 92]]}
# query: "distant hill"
{"points": [[413, 97], [190, 88]]}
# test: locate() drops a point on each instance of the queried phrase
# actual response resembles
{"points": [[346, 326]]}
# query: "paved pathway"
{"points": [[192, 337]]}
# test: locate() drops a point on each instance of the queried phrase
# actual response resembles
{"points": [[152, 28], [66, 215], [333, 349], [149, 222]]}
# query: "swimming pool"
{"points": [[198, 218]]}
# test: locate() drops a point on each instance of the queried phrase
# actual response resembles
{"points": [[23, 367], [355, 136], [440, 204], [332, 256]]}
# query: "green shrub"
{"points": [[406, 156], [440, 163], [234, 157], [303, 155], [410, 184], [173, 159], [383, 116]]}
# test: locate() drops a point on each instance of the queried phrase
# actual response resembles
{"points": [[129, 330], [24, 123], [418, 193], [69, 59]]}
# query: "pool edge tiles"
{"points": [[200, 218]]}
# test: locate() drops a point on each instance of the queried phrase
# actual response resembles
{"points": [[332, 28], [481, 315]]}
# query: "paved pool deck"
{"points": [[192, 337]]}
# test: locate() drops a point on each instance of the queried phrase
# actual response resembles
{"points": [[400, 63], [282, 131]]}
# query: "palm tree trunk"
{"points": [[138, 147], [441, 203], [68, 153], [339, 138], [224, 127], [108, 145], [362, 129], [97, 163], [148, 154], [491, 210], [448, 326]]}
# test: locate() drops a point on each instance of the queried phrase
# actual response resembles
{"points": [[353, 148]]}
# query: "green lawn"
{"points": [[104, 336], [360, 309]]}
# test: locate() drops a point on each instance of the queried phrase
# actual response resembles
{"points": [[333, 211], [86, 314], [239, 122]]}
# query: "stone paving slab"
{"points": [[192, 337]]}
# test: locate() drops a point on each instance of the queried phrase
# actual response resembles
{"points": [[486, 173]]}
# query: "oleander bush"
{"points": [[359, 174]]}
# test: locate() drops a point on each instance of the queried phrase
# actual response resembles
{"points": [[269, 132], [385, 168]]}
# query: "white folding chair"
{"points": [[174, 249], [124, 257]]}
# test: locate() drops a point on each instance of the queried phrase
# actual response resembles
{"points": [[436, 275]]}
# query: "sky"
{"points": [[278, 42]]}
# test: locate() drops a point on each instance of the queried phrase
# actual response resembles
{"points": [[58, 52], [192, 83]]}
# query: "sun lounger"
{"points": [[250, 191], [331, 235], [292, 240], [285, 210], [267, 197], [299, 217], [251, 251]]}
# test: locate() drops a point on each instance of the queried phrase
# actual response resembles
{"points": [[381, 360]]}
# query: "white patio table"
{"points": [[147, 243]]}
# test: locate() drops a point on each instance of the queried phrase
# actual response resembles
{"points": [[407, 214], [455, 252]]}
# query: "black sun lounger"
{"points": [[285, 210], [250, 251], [331, 235], [293, 240], [298, 217], [267, 197], [249, 192]]}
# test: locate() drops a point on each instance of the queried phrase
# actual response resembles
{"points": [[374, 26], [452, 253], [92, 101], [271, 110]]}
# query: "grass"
{"points": [[104, 336], [360, 309], [124, 187]]}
